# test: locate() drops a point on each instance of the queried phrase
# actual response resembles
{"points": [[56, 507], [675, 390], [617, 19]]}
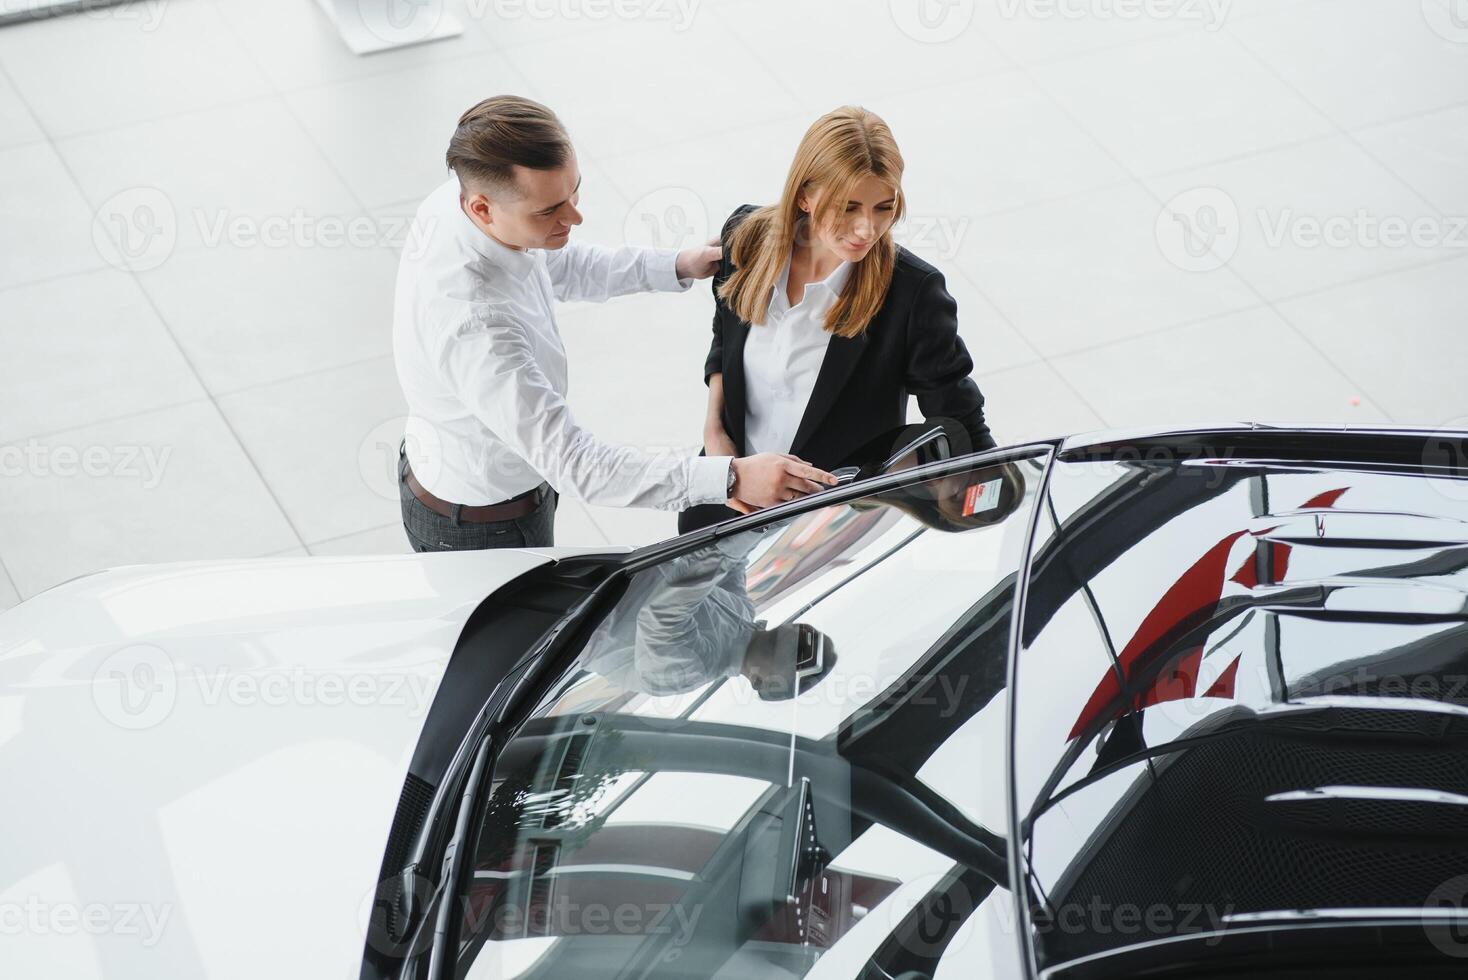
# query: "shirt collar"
{"points": [[830, 286]]}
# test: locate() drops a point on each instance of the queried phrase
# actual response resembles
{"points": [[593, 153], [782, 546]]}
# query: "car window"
{"points": [[1234, 699], [778, 754]]}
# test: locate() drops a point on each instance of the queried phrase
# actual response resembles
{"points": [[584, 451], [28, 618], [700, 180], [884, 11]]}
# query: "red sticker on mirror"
{"points": [[980, 497]]}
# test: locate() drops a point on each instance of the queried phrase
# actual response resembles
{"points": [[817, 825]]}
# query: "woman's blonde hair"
{"points": [[839, 150]]}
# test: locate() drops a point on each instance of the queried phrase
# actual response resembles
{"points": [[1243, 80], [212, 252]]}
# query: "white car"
{"points": [[796, 744]]}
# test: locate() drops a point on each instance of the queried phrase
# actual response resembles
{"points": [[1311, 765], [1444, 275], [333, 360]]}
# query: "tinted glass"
{"points": [[1241, 699], [670, 810]]}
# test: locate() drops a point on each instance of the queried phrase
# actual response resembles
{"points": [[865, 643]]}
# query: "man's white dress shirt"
{"points": [[483, 368], [782, 358]]}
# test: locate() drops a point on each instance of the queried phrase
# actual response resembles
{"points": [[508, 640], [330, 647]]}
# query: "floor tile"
{"points": [[650, 97], [653, 342], [990, 145], [170, 485], [992, 342], [117, 65], [46, 227], [386, 134], [249, 177], [17, 125], [1403, 337], [1243, 367], [912, 58], [1307, 217], [1033, 402], [296, 45], [1088, 270], [681, 194], [252, 315], [386, 540], [633, 527], [1219, 103], [574, 526], [1428, 153], [1034, 32], [1365, 61], [655, 23], [327, 445], [8, 596], [83, 349]]}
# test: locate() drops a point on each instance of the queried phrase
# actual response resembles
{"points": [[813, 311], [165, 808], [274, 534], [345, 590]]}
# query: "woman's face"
{"points": [[866, 217]]}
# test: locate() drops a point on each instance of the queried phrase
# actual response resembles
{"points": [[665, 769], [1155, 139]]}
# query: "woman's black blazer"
{"points": [[910, 347]]}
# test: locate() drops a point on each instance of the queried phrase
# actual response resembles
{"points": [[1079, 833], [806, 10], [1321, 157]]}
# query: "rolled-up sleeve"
{"points": [[489, 360], [939, 365], [594, 273]]}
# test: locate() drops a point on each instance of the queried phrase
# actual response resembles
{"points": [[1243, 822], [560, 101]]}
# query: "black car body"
{"points": [[1165, 703]]}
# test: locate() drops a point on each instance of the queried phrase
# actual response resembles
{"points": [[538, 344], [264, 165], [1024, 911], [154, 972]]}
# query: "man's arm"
{"points": [[595, 273], [695, 625], [493, 370]]}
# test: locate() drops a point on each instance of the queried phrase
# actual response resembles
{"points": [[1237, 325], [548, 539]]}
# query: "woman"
{"points": [[823, 324]]}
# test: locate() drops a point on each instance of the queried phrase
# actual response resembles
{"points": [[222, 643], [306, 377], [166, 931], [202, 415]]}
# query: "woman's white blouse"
{"points": [[782, 358]]}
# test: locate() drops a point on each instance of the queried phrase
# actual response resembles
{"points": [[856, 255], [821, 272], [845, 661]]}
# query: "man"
{"points": [[490, 441], [686, 622]]}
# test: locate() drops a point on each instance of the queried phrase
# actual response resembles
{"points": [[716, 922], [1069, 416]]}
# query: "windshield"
{"points": [[780, 754]]}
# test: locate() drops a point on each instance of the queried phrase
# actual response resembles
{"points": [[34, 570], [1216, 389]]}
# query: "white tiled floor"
{"points": [[176, 178]]}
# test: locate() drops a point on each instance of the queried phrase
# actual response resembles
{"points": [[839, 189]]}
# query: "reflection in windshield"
{"points": [[670, 809]]}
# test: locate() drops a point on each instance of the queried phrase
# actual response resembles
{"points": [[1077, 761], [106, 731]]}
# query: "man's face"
{"points": [[539, 213]]}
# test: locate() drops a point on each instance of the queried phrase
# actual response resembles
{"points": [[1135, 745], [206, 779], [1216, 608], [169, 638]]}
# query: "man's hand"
{"points": [[773, 478], [699, 262], [716, 442]]}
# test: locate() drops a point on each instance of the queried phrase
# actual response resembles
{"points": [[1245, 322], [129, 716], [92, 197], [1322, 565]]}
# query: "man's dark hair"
{"points": [[498, 134]]}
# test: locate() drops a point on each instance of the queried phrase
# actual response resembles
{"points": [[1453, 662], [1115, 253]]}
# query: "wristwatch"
{"points": [[729, 487]]}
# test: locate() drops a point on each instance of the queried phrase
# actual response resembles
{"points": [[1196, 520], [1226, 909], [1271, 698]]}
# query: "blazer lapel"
{"points": [[736, 331], [842, 353]]}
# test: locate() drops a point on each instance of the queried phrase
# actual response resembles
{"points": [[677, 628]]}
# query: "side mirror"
{"points": [[930, 447]]}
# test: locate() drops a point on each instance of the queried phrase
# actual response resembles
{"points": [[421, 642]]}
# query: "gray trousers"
{"points": [[430, 531]]}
